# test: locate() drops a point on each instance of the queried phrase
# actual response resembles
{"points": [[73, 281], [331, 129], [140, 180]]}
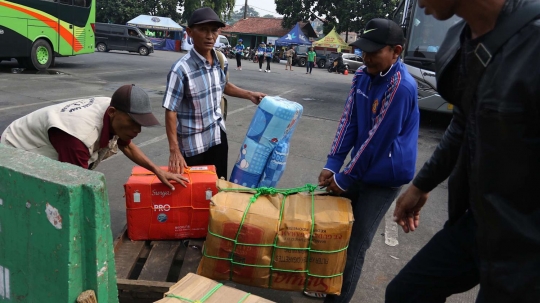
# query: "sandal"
{"points": [[314, 294]]}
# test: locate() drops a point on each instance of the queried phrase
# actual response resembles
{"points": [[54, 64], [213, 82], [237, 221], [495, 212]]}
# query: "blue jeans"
{"points": [[370, 203]]}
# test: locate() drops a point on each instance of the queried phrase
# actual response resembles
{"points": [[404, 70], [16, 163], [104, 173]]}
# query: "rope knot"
{"points": [[264, 191]]}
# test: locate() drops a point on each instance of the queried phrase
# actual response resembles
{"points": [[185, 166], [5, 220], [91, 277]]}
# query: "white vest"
{"points": [[82, 119]]}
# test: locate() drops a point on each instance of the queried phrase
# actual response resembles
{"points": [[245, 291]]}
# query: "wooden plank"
{"points": [[192, 258], [140, 286], [159, 261], [119, 240], [125, 257]]}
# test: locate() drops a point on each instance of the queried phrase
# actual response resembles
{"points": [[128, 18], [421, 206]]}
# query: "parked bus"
{"points": [[36, 31], [424, 36]]}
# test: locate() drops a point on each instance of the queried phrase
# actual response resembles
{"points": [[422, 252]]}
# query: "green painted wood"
{"points": [[55, 236]]}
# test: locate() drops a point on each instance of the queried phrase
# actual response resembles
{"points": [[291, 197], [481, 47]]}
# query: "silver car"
{"points": [[352, 61]]}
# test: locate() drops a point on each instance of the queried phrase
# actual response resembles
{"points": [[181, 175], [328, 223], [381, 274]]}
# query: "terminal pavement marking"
{"points": [[44, 102], [391, 227]]}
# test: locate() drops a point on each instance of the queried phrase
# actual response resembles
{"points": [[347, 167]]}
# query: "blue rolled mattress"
{"points": [[263, 154]]}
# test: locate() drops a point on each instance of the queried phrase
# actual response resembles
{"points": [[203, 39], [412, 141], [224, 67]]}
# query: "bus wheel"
{"points": [[143, 51], [41, 55], [101, 47]]}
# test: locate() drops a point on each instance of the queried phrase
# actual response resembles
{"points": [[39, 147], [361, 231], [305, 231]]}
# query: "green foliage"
{"points": [[239, 14], [121, 11], [349, 15], [269, 16], [223, 8]]}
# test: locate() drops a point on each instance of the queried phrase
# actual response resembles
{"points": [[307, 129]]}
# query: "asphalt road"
{"points": [[322, 96]]}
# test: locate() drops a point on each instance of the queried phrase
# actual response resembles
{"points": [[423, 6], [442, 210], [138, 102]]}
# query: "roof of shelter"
{"points": [[258, 26]]}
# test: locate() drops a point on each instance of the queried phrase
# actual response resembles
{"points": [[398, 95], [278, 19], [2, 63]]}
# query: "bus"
{"points": [[36, 31], [424, 36]]}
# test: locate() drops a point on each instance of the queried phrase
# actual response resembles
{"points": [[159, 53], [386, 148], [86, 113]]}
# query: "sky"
{"points": [[262, 6]]}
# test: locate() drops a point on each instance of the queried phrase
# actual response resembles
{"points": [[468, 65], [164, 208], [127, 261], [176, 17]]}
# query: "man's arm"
{"points": [[177, 163], [235, 91], [136, 155]]}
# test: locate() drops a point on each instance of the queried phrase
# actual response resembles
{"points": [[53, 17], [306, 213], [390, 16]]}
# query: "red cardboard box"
{"points": [[155, 212]]}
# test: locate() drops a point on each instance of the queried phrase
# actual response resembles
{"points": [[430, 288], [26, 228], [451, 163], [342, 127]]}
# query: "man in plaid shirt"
{"points": [[195, 85]]}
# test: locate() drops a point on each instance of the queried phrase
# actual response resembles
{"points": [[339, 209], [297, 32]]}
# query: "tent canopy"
{"points": [[295, 36], [332, 40], [155, 22]]}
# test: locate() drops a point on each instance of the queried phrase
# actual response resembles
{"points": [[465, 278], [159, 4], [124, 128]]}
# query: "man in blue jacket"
{"points": [[380, 125]]}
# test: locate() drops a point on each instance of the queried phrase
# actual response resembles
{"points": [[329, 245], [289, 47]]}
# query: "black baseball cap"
{"points": [[134, 101], [204, 15], [378, 34]]}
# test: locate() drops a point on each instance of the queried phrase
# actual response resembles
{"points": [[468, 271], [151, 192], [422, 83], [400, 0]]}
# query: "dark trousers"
{"points": [[447, 265], [261, 61], [215, 155], [370, 203], [268, 60], [309, 66], [238, 59]]}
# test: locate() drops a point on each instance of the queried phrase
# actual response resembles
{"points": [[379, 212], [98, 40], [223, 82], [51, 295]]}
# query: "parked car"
{"points": [[221, 42], [351, 61], [122, 37]]}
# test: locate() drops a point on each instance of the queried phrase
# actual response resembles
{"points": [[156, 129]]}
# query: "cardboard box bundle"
{"points": [[155, 212], [284, 262], [193, 288]]}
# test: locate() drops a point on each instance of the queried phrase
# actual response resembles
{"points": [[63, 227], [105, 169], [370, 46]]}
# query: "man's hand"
{"points": [[325, 177], [256, 97], [334, 188], [408, 205], [177, 163], [165, 176]]}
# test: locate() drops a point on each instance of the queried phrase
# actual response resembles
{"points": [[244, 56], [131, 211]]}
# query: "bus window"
{"points": [[68, 2], [427, 34]]}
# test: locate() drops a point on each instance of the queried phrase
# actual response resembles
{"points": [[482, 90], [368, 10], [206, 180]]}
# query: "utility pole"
{"points": [[245, 10]]}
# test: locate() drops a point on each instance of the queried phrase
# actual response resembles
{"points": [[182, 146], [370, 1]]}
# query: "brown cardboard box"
{"points": [[194, 288], [281, 262]]}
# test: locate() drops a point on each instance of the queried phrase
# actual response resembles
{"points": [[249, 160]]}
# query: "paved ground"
{"points": [[322, 95]]}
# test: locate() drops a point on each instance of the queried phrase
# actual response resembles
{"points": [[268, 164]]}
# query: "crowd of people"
{"points": [[489, 151]]}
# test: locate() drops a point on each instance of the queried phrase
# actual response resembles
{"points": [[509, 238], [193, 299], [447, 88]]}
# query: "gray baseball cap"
{"points": [[134, 101]]}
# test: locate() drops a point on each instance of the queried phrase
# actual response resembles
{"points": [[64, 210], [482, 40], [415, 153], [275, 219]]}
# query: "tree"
{"points": [[239, 14], [269, 16], [223, 8], [121, 11], [344, 15]]}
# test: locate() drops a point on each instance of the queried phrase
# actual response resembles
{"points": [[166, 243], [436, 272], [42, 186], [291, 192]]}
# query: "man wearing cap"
{"points": [[195, 85], [380, 125], [269, 53], [86, 131]]}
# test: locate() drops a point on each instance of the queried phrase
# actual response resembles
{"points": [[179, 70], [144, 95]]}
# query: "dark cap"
{"points": [[134, 101], [204, 15], [378, 34]]}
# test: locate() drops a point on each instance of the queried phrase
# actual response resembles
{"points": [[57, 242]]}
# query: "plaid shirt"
{"points": [[194, 91]]}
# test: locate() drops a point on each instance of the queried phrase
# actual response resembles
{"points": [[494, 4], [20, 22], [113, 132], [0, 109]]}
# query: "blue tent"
{"points": [[295, 36]]}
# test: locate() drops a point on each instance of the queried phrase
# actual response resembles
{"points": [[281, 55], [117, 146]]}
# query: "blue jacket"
{"points": [[269, 52], [380, 124], [261, 51], [239, 47]]}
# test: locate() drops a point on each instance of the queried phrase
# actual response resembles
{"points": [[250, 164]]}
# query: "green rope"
{"points": [[263, 191], [203, 299]]}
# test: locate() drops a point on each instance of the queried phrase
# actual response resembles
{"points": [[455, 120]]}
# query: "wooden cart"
{"points": [[146, 269]]}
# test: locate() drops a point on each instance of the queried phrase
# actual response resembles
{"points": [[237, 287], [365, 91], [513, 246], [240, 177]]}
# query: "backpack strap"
{"points": [[504, 31], [221, 58]]}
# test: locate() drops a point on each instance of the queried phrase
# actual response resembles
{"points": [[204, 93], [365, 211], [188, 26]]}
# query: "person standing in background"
{"points": [[238, 50], [311, 55], [269, 53], [260, 54], [289, 54]]}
